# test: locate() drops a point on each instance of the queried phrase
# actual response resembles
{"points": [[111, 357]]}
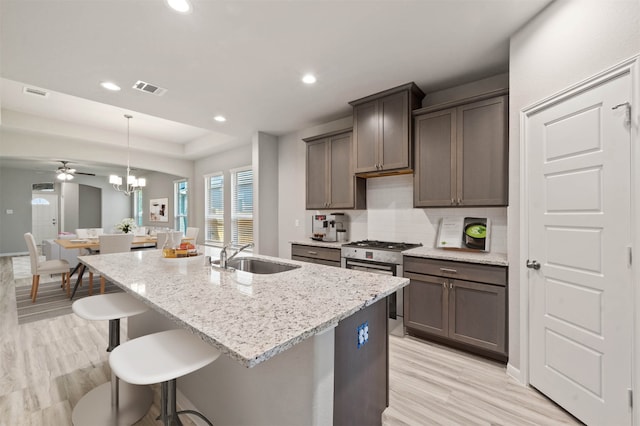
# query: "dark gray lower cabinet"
{"points": [[466, 313], [314, 254], [361, 374]]}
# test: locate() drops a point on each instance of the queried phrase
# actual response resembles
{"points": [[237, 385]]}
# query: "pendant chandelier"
{"points": [[133, 184]]}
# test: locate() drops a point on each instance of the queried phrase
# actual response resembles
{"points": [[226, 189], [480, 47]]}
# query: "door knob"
{"points": [[533, 264]]}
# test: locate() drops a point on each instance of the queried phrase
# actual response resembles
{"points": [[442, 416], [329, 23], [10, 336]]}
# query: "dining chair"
{"points": [[162, 237], [54, 266], [192, 233], [111, 243]]}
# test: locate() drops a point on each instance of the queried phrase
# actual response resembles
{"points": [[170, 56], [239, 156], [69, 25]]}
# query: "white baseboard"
{"points": [[515, 373]]}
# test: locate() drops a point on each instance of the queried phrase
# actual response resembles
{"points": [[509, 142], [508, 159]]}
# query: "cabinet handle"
{"points": [[448, 270], [312, 252], [459, 201], [450, 285], [453, 202]]}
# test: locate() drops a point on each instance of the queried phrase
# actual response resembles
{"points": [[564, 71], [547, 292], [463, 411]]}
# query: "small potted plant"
{"points": [[126, 226]]}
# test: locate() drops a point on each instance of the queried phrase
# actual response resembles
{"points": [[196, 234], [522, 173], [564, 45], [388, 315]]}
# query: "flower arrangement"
{"points": [[127, 225]]}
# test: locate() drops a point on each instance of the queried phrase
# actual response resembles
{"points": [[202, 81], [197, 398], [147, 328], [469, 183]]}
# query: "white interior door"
{"points": [[580, 298], [44, 216]]}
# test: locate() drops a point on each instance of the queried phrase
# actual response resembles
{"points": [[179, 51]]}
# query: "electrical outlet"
{"points": [[362, 335]]}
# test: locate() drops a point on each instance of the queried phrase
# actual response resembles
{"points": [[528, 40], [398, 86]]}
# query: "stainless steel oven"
{"points": [[380, 257]]}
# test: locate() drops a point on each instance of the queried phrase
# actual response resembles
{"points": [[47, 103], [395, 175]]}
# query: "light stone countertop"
{"points": [[249, 317], [499, 259]]}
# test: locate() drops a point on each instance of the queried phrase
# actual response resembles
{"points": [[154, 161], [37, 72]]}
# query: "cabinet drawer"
{"points": [[314, 252], [489, 274], [317, 261]]}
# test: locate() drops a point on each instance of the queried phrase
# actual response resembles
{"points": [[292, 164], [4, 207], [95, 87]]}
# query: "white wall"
{"points": [[390, 214], [222, 162], [22, 144], [566, 43], [265, 193]]}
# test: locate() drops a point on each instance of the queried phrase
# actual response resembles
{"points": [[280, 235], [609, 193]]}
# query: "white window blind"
{"points": [[242, 206], [214, 208]]}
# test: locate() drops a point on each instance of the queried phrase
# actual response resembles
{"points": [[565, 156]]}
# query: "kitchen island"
{"points": [[290, 338]]}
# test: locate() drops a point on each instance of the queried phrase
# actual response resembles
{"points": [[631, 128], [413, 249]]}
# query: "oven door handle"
{"points": [[369, 265]]}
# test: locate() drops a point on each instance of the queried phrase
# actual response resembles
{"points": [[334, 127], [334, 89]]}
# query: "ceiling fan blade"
{"points": [[86, 174]]}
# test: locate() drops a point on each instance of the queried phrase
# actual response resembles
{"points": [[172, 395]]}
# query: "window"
{"points": [[242, 206], [138, 212], [214, 208], [181, 192]]}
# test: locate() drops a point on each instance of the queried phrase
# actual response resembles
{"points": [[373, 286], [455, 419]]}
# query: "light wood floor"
{"points": [[47, 366]]}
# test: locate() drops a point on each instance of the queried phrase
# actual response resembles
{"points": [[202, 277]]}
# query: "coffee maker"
{"points": [[324, 227]]}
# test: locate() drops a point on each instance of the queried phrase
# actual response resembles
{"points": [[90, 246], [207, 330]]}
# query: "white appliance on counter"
{"points": [[380, 257], [328, 227]]}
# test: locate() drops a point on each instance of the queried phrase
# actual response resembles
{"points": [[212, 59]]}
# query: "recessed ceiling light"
{"points": [[309, 79], [182, 6], [110, 86], [220, 118]]}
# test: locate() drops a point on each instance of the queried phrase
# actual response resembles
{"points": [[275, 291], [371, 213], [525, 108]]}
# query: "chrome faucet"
{"points": [[224, 258]]}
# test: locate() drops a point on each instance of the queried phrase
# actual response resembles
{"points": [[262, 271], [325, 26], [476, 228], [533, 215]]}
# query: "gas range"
{"points": [[376, 251]]}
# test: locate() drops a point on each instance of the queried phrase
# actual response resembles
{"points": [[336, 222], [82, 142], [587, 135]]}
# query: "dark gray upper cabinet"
{"points": [[462, 154], [382, 129], [331, 183]]}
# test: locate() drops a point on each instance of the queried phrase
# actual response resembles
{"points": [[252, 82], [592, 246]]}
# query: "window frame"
{"points": [[177, 215]]}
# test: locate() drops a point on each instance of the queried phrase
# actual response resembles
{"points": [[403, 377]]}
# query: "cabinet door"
{"points": [[482, 153], [426, 304], [317, 174], [477, 315], [341, 172], [394, 148], [434, 178], [366, 130]]}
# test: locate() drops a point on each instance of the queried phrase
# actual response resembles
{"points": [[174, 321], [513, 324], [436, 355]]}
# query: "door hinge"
{"points": [[630, 397]]}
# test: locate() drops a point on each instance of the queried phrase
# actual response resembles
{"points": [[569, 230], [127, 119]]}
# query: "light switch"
{"points": [[9, 211]]}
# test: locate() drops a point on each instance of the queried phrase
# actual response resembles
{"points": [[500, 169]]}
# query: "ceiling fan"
{"points": [[65, 172]]}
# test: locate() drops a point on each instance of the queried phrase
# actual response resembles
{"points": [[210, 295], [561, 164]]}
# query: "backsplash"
{"points": [[390, 216]]}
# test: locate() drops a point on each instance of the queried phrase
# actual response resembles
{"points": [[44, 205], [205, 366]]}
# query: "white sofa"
{"points": [[51, 250]]}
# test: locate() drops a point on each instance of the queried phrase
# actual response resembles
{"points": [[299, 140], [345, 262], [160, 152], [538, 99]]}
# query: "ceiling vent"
{"points": [[35, 92], [149, 88], [45, 187]]}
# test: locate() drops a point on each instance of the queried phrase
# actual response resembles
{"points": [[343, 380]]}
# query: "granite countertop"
{"points": [[249, 317], [499, 259], [314, 243]]}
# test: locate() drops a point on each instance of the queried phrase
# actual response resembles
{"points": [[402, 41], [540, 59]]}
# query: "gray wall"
{"points": [[69, 206], [90, 212], [568, 42], [159, 185], [15, 194]]}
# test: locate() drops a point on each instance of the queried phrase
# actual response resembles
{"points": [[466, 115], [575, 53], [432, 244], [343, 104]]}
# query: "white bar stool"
{"points": [[115, 402], [162, 358]]}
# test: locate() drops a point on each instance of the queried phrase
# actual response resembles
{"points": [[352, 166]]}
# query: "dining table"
{"points": [[92, 245]]}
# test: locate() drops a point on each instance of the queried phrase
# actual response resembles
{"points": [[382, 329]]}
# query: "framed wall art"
{"points": [[159, 210]]}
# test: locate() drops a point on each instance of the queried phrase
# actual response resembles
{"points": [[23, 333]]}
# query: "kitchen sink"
{"points": [[254, 265]]}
